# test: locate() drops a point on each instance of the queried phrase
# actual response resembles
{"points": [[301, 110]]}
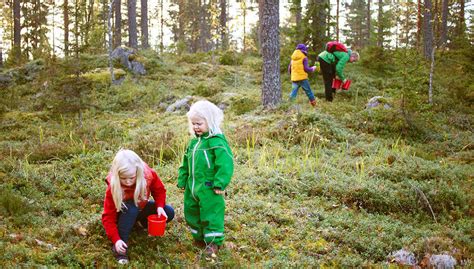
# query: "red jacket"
{"points": [[109, 215]]}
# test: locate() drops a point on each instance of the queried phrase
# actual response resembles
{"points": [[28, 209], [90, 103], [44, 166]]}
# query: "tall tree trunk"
{"points": [[328, 19], [444, 24], [337, 20], [223, 25], [89, 22], [181, 20], [461, 28], [296, 11], [109, 32], [144, 23], [132, 24], [66, 27], [16, 29], [428, 30], [118, 23], [271, 84], [418, 24], [162, 22], [243, 6], [76, 28], [368, 22], [380, 26], [1, 58]]}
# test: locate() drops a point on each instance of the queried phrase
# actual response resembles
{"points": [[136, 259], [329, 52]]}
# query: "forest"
{"points": [[381, 176]]}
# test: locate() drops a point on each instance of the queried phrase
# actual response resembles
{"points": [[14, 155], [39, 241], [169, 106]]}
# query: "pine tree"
{"points": [[144, 23], [35, 23], [66, 27], [16, 29], [356, 23], [270, 42], [444, 23], [223, 30], [315, 23], [118, 23], [427, 30], [132, 24]]}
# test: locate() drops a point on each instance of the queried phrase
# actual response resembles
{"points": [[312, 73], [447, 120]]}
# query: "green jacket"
{"points": [[338, 56], [208, 160]]}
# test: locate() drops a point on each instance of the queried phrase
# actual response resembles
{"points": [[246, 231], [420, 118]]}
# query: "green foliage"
{"points": [[243, 105], [230, 57], [378, 60], [12, 204]]}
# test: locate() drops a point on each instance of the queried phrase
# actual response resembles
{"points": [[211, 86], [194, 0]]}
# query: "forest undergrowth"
{"points": [[339, 186]]}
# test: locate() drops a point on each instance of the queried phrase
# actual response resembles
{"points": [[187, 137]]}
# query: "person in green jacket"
{"points": [[332, 66], [206, 171]]}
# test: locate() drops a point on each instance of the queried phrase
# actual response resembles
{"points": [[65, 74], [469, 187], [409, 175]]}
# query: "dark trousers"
{"points": [[329, 73], [130, 215]]}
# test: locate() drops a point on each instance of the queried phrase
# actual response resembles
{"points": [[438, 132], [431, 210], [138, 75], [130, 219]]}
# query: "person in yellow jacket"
{"points": [[299, 70]]}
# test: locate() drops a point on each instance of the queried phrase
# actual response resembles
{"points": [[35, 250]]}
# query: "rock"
{"points": [[376, 101], [138, 68], [402, 257], [442, 261], [180, 104], [126, 56], [5, 79]]}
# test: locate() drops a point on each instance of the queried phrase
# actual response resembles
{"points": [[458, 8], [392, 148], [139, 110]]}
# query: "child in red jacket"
{"points": [[129, 185]]}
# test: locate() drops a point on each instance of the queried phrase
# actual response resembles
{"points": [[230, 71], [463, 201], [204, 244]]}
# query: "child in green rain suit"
{"points": [[205, 173]]}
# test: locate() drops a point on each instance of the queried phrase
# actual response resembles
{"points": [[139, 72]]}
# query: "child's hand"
{"points": [[160, 211], [121, 247], [219, 192]]}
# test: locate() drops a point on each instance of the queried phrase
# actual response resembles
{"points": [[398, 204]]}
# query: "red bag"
{"points": [[333, 46]]}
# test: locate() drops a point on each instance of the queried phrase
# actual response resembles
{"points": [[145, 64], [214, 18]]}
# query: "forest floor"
{"points": [[337, 185]]}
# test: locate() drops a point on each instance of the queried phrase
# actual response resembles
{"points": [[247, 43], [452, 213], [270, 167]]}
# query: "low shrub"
{"points": [[231, 58]]}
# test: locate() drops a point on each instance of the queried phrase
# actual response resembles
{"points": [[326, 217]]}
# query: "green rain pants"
{"points": [[204, 213]]}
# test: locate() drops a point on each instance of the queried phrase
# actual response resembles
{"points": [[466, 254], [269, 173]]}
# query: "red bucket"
{"points": [[346, 85], [156, 225], [336, 83]]}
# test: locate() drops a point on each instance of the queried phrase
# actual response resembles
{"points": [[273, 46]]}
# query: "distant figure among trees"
{"points": [[299, 69], [332, 61]]}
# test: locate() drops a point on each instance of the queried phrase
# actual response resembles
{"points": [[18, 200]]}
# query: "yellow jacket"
{"points": [[297, 66]]}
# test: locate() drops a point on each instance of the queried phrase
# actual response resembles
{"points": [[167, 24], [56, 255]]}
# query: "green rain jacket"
{"points": [[340, 57], [208, 160]]}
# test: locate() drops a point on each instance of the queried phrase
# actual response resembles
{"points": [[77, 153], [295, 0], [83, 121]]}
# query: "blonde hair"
{"points": [[209, 112], [126, 160]]}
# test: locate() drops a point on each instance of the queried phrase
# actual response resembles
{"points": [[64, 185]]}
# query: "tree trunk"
{"points": [[223, 25], [1, 58], [132, 24], [444, 24], [181, 20], [118, 23], [76, 28], [16, 29], [430, 89], [144, 23], [243, 6], [337, 20], [368, 22], [271, 84], [162, 22], [109, 31], [428, 30], [418, 25], [461, 28], [380, 27]]}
